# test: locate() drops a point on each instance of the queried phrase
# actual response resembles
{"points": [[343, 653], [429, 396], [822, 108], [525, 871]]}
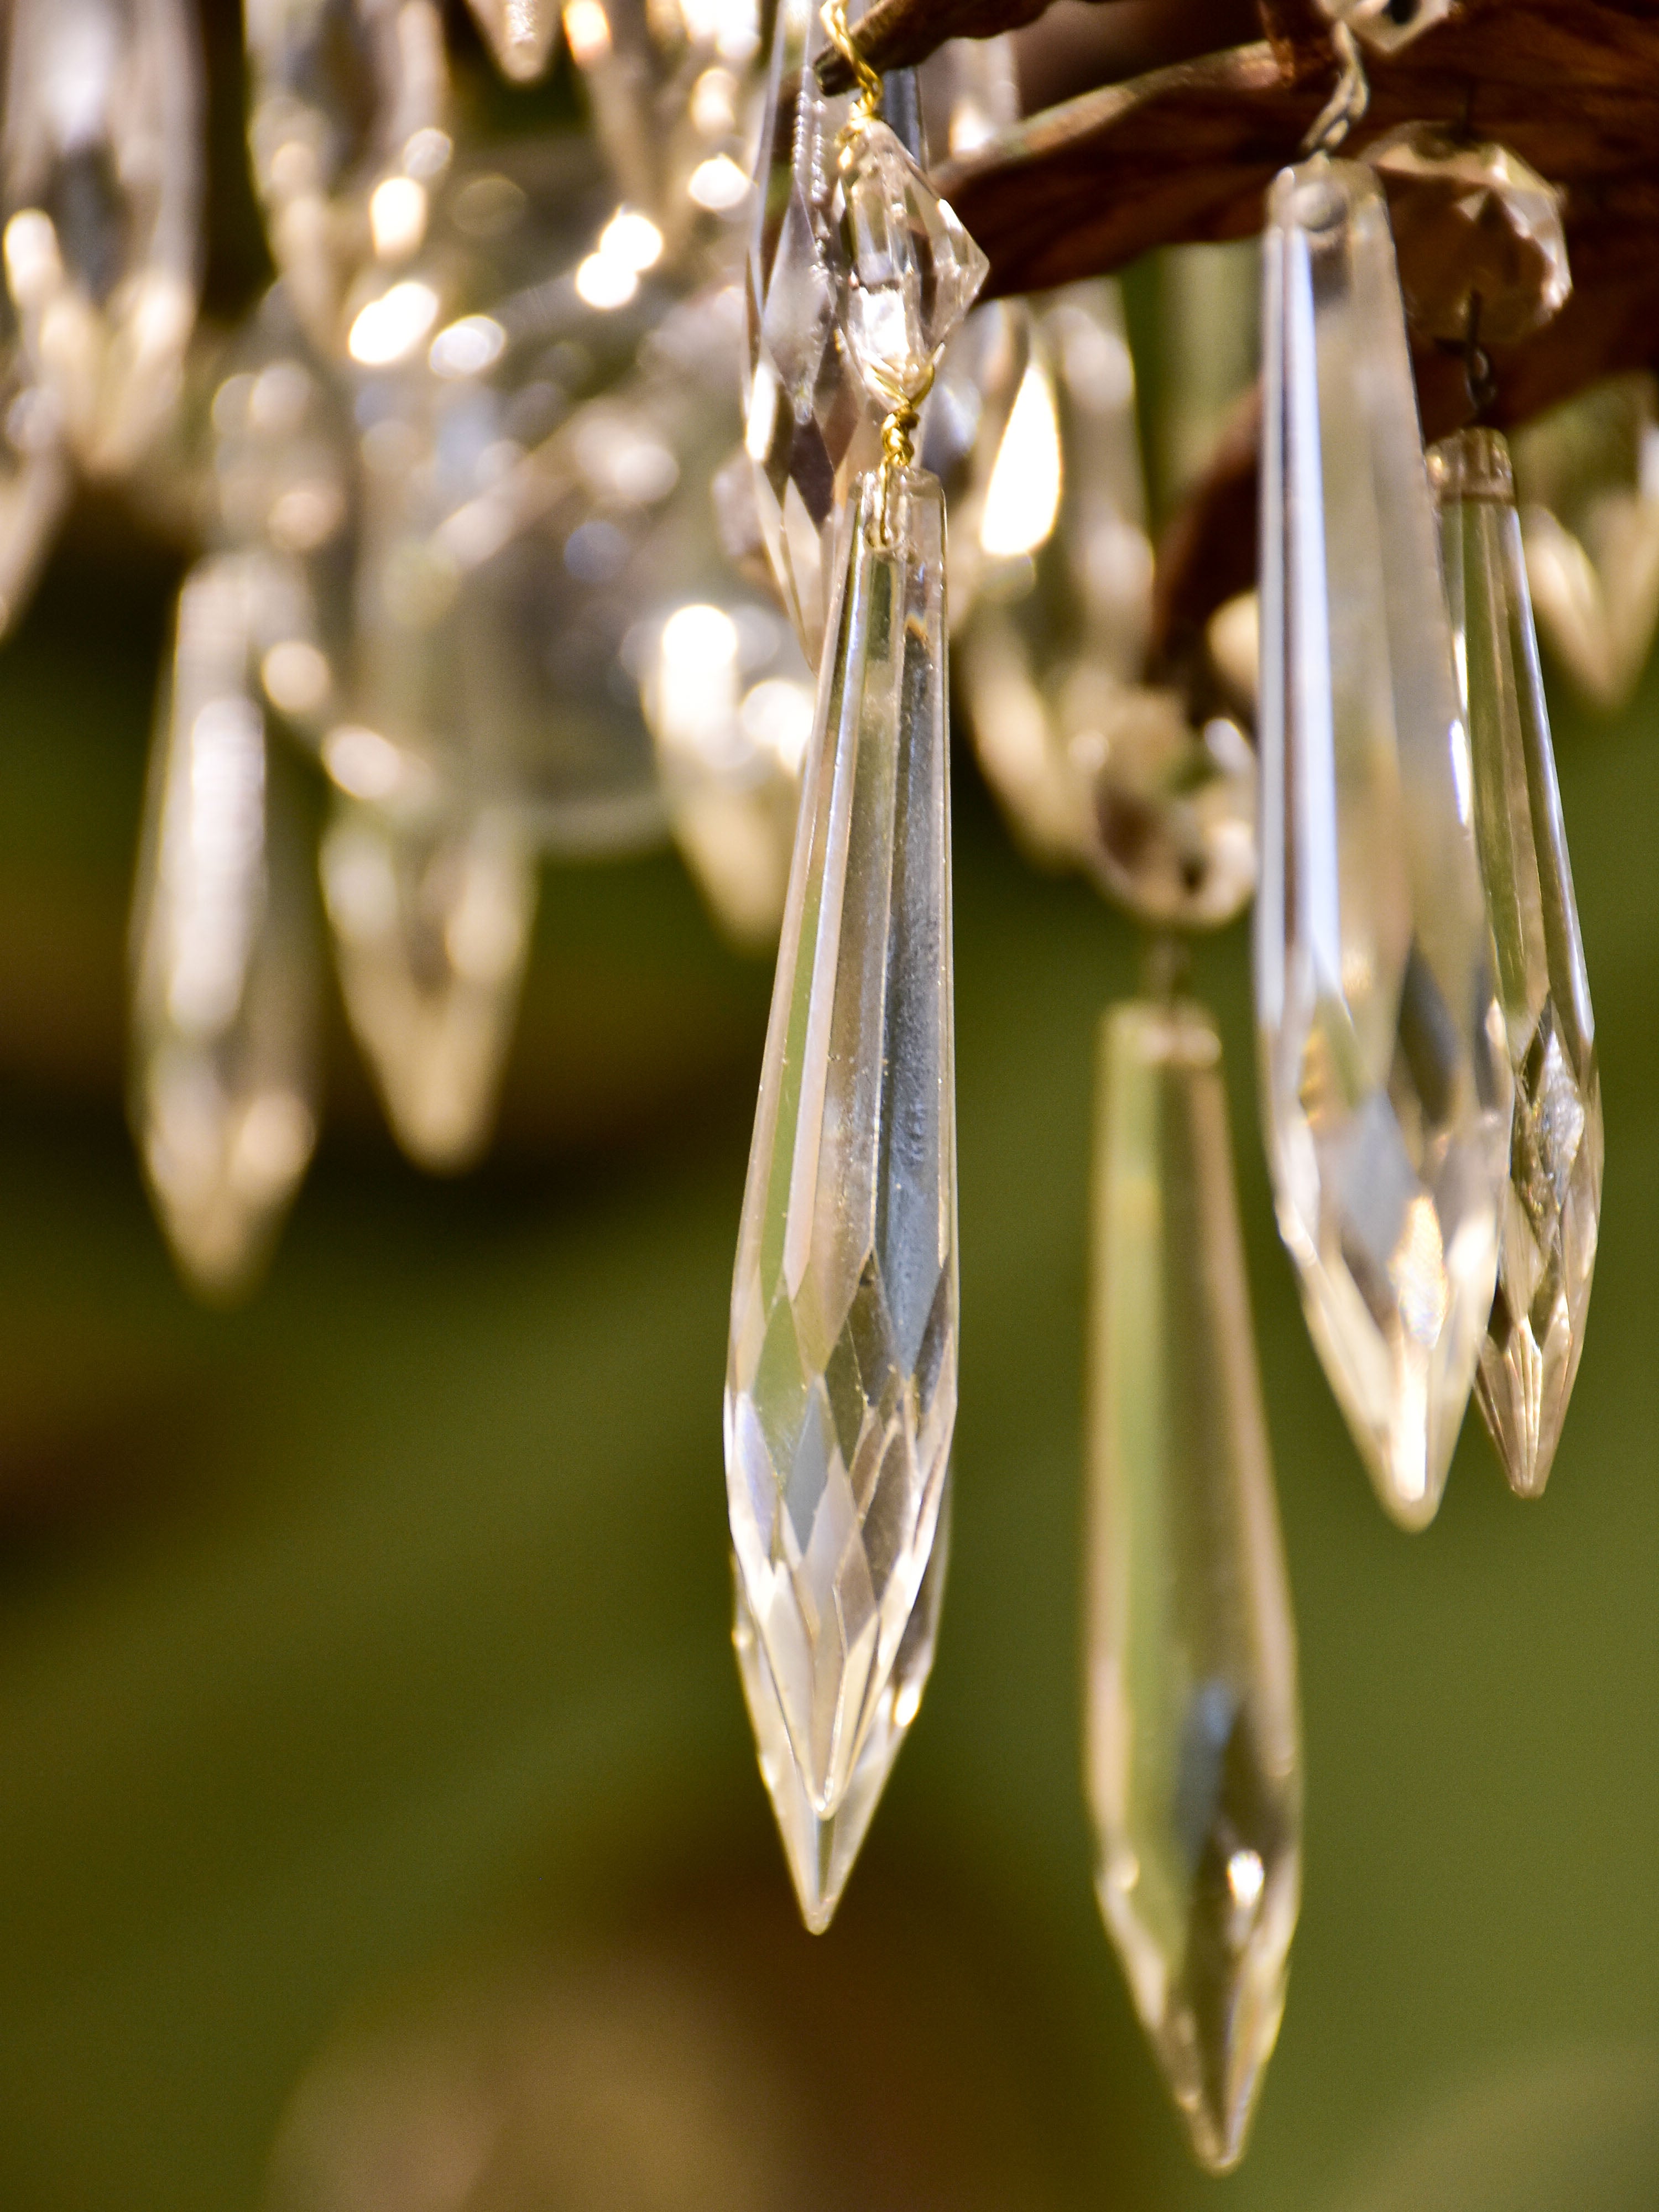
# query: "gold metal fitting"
{"points": [[833, 15]]}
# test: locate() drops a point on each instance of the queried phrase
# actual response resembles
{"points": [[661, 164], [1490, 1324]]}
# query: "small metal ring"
{"points": [[1347, 103]]}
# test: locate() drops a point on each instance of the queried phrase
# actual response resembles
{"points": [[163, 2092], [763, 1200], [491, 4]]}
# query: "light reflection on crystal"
{"points": [[842, 1380], [431, 926], [1386, 1090], [1546, 1246], [222, 1074], [1193, 1723], [102, 201], [821, 1849]]}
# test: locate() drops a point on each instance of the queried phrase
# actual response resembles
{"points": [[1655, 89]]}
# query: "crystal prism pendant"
{"points": [[431, 927], [821, 1849], [1386, 1084], [103, 197], [904, 270], [1193, 1721], [810, 425], [1546, 1245], [841, 1378], [222, 1078], [520, 33]]}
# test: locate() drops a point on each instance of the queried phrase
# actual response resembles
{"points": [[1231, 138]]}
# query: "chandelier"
{"points": [[581, 482]]}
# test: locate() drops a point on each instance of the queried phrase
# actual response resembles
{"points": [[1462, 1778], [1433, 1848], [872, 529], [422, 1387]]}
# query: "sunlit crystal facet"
{"points": [[1386, 1086], [1193, 1723], [842, 1379], [821, 1849], [431, 926], [223, 1075], [1546, 1246], [906, 272], [812, 427], [102, 195]]}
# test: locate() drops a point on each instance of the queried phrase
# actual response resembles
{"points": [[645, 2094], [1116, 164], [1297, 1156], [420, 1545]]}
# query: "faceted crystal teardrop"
{"points": [[812, 426], [431, 926], [821, 1849], [904, 270], [521, 34], [1386, 1086], [1193, 1723], [1546, 1246], [102, 203], [223, 1077], [842, 1379]]}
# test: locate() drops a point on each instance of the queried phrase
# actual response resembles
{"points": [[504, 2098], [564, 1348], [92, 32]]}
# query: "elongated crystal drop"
{"points": [[222, 1076], [431, 926], [811, 426], [821, 1849], [1385, 1083], [842, 1380], [521, 34], [102, 200], [1194, 1720], [1546, 1246]]}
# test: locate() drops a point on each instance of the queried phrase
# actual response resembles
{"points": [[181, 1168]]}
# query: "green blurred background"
{"points": [[379, 1830]]}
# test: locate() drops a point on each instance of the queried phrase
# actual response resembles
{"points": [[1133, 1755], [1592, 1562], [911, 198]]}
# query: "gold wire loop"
{"points": [[832, 15], [1347, 103], [899, 451]]}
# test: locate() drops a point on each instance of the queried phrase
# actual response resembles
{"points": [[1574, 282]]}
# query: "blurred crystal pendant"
{"points": [[1546, 1245], [1386, 1086], [520, 33], [1093, 767], [349, 136], [842, 1379], [222, 1076], [431, 926], [821, 1849], [730, 761], [102, 197], [668, 88], [1587, 475], [1194, 1719], [810, 425], [36, 477]]}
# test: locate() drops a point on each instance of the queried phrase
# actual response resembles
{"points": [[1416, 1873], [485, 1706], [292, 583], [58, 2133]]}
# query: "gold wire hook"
{"points": [[1347, 103], [832, 15]]}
